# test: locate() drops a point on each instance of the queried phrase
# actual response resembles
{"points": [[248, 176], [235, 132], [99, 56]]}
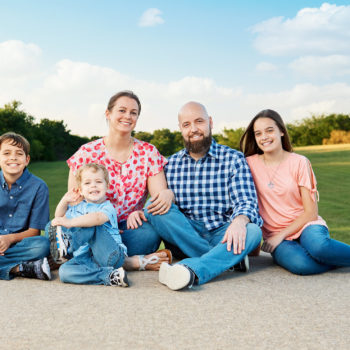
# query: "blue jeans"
{"points": [[95, 255], [28, 249], [142, 240], [314, 252], [208, 257]]}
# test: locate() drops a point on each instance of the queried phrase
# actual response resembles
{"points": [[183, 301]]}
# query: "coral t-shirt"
{"points": [[281, 204], [128, 181]]}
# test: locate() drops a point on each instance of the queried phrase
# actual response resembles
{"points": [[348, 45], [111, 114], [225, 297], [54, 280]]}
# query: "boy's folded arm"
{"points": [[87, 220], [31, 232], [12, 238]]}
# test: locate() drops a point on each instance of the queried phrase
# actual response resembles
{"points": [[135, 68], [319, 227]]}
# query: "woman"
{"points": [[135, 168], [293, 233]]}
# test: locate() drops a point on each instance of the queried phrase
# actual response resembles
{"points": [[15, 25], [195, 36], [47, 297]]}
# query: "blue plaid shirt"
{"points": [[216, 188]]}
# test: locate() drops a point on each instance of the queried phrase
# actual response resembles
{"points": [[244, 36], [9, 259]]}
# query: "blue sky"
{"points": [[64, 59]]}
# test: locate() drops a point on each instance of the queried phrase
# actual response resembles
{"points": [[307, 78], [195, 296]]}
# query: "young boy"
{"points": [[86, 234], [24, 211]]}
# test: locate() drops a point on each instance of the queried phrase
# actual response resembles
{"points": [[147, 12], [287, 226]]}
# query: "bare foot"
{"points": [[133, 262]]}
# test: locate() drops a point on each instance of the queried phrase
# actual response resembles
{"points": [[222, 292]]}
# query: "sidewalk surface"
{"points": [[268, 308]]}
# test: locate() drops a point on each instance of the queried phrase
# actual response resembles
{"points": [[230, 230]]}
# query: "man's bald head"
{"points": [[195, 125], [193, 108]]}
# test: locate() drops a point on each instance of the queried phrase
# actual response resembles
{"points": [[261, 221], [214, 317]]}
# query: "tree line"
{"points": [[51, 140]]}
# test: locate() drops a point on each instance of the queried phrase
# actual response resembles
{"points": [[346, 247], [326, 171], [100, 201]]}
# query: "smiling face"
{"points": [[93, 185], [13, 160], [195, 126], [267, 135], [123, 115]]}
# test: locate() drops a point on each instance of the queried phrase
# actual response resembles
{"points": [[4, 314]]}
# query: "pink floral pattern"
{"points": [[128, 181]]}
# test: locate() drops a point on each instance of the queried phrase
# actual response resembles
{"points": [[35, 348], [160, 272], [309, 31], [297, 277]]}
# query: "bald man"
{"points": [[215, 221]]}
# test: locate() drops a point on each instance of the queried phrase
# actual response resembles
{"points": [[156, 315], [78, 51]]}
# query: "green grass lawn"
{"points": [[331, 166]]}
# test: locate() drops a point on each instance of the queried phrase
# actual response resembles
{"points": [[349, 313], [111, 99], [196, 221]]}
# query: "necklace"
{"points": [[271, 184]]}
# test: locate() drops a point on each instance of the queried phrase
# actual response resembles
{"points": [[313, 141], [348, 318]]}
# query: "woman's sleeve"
{"points": [[156, 161], [77, 159], [306, 178]]}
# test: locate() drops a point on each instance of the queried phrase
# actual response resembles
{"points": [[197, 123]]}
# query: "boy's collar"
{"points": [[19, 181]]}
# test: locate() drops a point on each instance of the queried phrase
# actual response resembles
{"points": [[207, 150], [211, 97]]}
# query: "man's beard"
{"points": [[200, 146]]}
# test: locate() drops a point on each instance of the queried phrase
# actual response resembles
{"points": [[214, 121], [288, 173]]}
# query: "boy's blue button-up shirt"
{"points": [[25, 205], [216, 188]]}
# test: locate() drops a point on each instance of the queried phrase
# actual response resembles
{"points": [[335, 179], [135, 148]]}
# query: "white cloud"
{"points": [[266, 67], [78, 92], [18, 60], [312, 31], [151, 18], [323, 67]]}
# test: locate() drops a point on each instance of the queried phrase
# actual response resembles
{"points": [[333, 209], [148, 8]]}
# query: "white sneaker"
{"points": [[119, 278], [58, 244], [176, 277]]}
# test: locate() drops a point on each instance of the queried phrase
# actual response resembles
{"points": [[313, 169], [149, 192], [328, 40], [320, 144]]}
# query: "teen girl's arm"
{"points": [[310, 214]]}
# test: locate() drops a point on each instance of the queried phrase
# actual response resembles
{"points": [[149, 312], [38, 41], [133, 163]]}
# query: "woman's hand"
{"points": [[271, 243], [161, 203], [135, 219]]}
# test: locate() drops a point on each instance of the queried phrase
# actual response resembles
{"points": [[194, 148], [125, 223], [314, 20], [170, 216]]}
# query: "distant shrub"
{"points": [[337, 136]]}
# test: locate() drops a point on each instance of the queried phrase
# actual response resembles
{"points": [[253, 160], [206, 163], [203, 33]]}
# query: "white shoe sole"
{"points": [[58, 248], [246, 261], [174, 277], [46, 269]]}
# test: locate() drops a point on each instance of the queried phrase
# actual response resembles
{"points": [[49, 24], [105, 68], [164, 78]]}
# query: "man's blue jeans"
{"points": [[314, 252], [95, 255], [208, 257], [28, 249]]}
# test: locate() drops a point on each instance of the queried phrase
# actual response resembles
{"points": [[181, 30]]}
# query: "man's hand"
{"points": [[161, 203], [135, 219], [61, 221], [5, 242], [235, 234], [271, 243]]}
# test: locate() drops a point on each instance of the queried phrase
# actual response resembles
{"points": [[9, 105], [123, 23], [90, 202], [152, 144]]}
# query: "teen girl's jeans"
{"points": [[95, 255], [314, 252], [28, 249]]}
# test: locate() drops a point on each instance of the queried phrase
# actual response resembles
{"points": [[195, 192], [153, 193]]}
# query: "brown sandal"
{"points": [[153, 259]]}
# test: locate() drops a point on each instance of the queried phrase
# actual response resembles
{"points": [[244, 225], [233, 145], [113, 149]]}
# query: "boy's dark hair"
{"points": [[16, 140]]}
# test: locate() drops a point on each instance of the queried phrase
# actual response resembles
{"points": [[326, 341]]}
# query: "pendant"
{"points": [[270, 185]]}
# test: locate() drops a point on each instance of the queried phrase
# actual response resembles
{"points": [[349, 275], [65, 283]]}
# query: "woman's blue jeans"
{"points": [[28, 249], [314, 252]]}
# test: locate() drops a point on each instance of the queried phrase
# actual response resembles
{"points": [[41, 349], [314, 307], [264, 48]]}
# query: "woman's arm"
{"points": [[72, 183], [310, 214], [161, 196]]}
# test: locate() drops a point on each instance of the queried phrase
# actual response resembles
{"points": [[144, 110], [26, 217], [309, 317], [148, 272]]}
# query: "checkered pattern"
{"points": [[214, 189]]}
